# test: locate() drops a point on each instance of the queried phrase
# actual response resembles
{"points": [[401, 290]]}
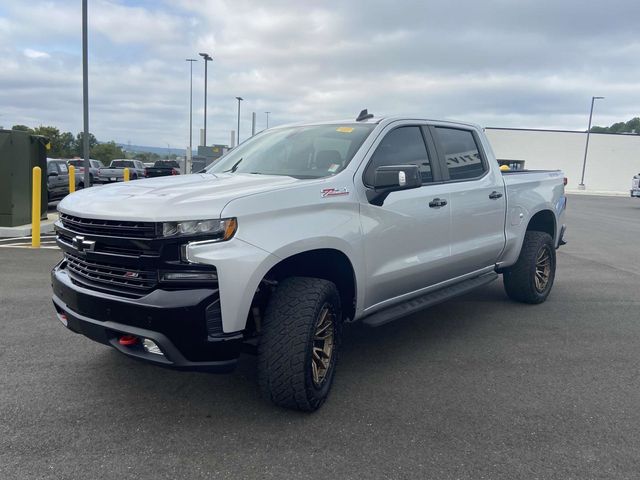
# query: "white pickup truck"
{"points": [[296, 232]]}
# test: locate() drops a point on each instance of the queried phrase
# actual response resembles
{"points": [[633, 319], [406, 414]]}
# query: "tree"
{"points": [[22, 128], [632, 126], [147, 156], [61, 143], [105, 152], [78, 144]]}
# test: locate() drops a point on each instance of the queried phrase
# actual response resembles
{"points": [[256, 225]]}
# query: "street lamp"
{"points": [[586, 147], [207, 59], [239, 100], [188, 157], [267, 118]]}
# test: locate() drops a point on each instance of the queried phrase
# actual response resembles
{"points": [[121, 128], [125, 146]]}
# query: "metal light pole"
{"points": [[85, 97], [188, 156], [267, 118], [238, 132], [586, 147], [207, 59]]}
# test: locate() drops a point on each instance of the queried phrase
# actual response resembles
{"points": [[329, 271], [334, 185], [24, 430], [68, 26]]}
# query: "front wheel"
{"points": [[531, 278], [300, 340]]}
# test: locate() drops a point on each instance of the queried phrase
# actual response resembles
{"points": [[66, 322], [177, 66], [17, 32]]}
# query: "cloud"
{"points": [[30, 53], [498, 63]]}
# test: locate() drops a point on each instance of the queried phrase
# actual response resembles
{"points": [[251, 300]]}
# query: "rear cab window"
{"points": [[462, 157]]}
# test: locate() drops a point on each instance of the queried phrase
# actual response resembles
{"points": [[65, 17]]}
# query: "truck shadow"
{"points": [[370, 358]]}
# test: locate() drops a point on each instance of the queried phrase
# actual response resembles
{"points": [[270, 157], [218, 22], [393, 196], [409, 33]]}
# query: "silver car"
{"points": [[94, 169]]}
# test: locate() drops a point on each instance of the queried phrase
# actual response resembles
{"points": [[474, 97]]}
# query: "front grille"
{"points": [[111, 276], [110, 228]]}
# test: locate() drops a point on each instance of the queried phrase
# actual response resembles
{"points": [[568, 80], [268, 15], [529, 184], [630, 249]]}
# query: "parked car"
{"points": [[58, 179], [163, 168], [635, 186], [295, 232], [115, 171], [94, 170]]}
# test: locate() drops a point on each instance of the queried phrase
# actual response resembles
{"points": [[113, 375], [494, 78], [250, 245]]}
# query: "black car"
{"points": [[163, 168]]}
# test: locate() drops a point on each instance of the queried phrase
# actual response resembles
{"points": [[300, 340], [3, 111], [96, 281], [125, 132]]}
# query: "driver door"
{"points": [[407, 238]]}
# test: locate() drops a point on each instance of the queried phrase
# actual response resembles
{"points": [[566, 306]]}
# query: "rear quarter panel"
{"points": [[527, 194]]}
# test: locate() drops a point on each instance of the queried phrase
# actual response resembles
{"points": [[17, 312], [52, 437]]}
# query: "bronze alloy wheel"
{"points": [[323, 343], [543, 269]]}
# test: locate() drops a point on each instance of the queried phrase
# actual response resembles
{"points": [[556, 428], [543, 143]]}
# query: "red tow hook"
{"points": [[128, 340]]}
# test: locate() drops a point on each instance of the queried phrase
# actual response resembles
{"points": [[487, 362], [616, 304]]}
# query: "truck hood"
{"points": [[182, 197]]}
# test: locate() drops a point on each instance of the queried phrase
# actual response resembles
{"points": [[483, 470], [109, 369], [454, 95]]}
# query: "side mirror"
{"points": [[393, 178]]}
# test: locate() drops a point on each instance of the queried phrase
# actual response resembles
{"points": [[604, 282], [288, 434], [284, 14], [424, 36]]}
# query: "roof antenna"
{"points": [[364, 115]]}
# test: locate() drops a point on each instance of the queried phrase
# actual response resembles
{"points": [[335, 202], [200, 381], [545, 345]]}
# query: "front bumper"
{"points": [[173, 319], [635, 193]]}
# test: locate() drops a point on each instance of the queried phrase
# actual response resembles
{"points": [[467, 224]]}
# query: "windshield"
{"points": [[76, 163], [314, 151], [122, 163]]}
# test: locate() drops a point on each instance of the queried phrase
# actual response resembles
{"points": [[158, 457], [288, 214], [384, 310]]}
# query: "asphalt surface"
{"points": [[478, 387]]}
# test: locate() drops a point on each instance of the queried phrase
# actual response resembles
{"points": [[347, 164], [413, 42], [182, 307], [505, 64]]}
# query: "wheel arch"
{"points": [[327, 263], [543, 221]]}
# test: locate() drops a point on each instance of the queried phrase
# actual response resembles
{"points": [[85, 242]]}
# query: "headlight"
{"points": [[221, 230]]}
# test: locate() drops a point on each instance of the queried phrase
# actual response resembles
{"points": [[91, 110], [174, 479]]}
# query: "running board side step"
{"points": [[419, 303]]}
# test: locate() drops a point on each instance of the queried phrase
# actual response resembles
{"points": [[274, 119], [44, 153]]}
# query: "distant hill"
{"points": [[159, 150]]}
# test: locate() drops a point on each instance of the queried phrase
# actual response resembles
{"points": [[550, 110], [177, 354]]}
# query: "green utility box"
{"points": [[19, 153]]}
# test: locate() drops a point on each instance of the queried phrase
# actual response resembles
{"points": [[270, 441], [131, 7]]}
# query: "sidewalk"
{"points": [[46, 226], [601, 193]]}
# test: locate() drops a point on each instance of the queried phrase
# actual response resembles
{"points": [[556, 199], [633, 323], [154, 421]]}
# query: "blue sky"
{"points": [[498, 63]]}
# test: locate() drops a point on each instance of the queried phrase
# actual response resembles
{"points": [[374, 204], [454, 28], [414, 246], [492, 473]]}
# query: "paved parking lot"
{"points": [[478, 387]]}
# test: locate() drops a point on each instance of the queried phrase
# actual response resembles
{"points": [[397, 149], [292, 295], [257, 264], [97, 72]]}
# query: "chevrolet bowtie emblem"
{"points": [[83, 245]]}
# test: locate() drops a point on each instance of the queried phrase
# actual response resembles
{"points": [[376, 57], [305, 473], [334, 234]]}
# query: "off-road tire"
{"points": [[520, 279], [285, 352]]}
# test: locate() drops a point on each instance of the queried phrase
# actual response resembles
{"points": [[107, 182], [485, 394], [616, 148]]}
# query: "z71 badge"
{"points": [[333, 192]]}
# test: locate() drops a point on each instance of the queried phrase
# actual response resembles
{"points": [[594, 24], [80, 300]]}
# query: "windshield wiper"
{"points": [[234, 168]]}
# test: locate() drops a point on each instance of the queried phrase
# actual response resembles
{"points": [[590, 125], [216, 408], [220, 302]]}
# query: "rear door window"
{"points": [[461, 153], [402, 146]]}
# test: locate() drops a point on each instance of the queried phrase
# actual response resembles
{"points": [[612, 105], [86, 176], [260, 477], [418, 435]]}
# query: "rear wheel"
{"points": [[531, 278], [300, 341]]}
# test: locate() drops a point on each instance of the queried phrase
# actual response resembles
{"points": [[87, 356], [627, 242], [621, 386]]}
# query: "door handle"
{"points": [[436, 203], [495, 195]]}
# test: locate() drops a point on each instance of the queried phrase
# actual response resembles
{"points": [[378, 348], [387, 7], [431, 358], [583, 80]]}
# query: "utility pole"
{"points": [[586, 147], [85, 96], [267, 118]]}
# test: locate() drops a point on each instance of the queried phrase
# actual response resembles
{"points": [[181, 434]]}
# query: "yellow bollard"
{"points": [[126, 174], [35, 207], [72, 179]]}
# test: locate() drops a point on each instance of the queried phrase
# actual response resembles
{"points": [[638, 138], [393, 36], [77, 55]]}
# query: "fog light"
{"points": [[151, 347], [187, 276]]}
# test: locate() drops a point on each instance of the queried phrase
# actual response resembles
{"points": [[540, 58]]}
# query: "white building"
{"points": [[612, 161]]}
